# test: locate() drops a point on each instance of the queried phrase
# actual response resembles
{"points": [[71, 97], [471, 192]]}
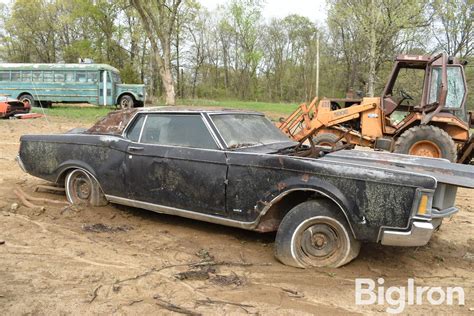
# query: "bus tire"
{"points": [[126, 102], [27, 98]]}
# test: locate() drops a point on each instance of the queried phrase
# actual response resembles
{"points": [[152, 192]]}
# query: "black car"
{"points": [[236, 168]]}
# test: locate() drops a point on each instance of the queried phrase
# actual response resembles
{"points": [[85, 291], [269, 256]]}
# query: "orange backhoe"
{"points": [[422, 112]]}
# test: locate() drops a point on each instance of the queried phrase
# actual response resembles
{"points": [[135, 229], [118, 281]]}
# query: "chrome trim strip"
{"points": [[213, 218], [141, 130], [180, 212]]}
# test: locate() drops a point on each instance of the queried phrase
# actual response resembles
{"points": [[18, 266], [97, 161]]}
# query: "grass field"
{"points": [[83, 114], [265, 107], [93, 113]]}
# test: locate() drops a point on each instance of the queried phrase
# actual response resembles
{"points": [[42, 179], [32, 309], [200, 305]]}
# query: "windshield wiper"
{"points": [[287, 148], [242, 145]]}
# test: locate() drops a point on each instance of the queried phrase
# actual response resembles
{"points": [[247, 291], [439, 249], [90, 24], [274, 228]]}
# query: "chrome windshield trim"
{"points": [[211, 131]]}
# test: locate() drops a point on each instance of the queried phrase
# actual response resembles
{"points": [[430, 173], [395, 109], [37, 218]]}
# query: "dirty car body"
{"points": [[235, 168]]}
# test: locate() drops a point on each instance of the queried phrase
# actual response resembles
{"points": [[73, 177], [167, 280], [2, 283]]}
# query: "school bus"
{"points": [[43, 84]]}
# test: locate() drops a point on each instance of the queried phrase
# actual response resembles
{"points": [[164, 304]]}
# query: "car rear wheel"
{"points": [[315, 234], [426, 141], [83, 189], [126, 102]]}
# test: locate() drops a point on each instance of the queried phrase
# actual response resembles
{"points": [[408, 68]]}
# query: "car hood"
{"points": [[441, 169]]}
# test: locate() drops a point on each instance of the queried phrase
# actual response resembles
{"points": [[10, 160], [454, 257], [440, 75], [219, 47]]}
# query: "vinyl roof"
{"points": [[115, 122]]}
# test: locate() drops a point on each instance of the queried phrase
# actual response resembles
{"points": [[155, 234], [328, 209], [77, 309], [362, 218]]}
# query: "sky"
{"points": [[315, 10]]}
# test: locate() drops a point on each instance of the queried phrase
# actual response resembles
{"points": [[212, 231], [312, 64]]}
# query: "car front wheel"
{"points": [[83, 189], [315, 234]]}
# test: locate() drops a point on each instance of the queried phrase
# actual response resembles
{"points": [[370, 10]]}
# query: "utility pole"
{"points": [[317, 64]]}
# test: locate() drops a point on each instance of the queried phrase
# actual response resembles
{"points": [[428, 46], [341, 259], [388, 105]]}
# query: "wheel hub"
{"points": [[319, 241], [82, 188], [425, 148]]}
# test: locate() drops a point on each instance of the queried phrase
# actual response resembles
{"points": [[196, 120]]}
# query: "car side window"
{"points": [[134, 131], [177, 130]]}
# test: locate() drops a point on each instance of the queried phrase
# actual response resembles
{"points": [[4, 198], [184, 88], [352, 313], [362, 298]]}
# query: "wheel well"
{"points": [[126, 93], [62, 176], [24, 93], [270, 221]]}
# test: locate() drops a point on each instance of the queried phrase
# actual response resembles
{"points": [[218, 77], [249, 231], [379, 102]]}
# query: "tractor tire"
{"points": [[426, 141], [327, 139]]}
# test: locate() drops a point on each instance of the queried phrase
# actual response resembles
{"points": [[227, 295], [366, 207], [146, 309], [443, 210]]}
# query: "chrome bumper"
{"points": [[22, 166], [418, 235], [419, 232]]}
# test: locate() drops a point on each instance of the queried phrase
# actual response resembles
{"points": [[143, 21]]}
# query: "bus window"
{"points": [[81, 77], [58, 76], [116, 77], [15, 76], [70, 76], [37, 76], [4, 76], [26, 75], [48, 76], [92, 76]]}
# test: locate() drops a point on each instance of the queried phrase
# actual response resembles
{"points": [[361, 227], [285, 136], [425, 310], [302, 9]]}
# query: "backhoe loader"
{"points": [[421, 112]]}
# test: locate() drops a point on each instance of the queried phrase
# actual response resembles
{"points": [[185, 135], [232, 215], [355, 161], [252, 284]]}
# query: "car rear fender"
{"points": [[70, 165]]}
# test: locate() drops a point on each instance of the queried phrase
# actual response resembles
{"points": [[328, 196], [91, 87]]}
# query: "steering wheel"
{"points": [[405, 95], [335, 106]]}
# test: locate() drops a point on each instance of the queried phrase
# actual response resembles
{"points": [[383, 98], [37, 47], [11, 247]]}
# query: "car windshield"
{"points": [[244, 130]]}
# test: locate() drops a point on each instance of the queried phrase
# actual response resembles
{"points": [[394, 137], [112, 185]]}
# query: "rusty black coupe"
{"points": [[236, 168]]}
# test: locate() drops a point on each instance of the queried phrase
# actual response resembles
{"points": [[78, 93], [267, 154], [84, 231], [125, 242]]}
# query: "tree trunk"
{"points": [[168, 84], [373, 51], [159, 23]]}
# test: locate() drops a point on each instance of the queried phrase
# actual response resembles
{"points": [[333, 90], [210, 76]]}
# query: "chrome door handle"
{"points": [[135, 148]]}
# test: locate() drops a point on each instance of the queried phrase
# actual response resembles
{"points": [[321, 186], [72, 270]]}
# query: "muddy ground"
{"points": [[123, 260]]}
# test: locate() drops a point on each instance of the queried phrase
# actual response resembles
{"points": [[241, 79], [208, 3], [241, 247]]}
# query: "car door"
{"points": [[173, 161]]}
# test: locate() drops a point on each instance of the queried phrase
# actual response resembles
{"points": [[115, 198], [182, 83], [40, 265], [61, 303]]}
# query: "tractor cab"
{"points": [[427, 86]]}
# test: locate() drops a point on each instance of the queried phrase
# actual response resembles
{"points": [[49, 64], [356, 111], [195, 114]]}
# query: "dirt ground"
{"points": [[129, 261]]}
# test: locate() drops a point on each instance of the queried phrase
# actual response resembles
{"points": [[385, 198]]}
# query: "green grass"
{"points": [[83, 114], [90, 114], [282, 109]]}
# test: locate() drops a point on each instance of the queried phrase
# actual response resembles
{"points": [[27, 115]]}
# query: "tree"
{"points": [[158, 18], [379, 25], [452, 27]]}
